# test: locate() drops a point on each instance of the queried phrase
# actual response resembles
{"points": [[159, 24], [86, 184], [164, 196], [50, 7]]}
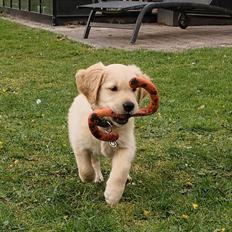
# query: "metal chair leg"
{"points": [[138, 25], [88, 27], [139, 21]]}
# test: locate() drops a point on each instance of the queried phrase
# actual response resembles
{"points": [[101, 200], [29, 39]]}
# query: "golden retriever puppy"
{"points": [[104, 86]]}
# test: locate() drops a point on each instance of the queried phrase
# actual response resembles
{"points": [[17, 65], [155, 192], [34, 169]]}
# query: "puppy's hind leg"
{"points": [[129, 179], [97, 168], [84, 165]]}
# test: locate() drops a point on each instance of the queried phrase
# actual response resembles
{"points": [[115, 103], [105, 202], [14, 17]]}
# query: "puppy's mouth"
{"points": [[121, 121]]}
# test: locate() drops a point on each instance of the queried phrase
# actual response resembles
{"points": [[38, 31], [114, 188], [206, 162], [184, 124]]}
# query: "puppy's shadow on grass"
{"points": [[146, 186], [73, 191]]}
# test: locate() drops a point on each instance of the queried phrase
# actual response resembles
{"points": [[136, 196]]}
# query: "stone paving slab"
{"points": [[151, 37]]}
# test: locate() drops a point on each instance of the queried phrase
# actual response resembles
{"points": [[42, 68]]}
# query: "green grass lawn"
{"points": [[184, 152]]}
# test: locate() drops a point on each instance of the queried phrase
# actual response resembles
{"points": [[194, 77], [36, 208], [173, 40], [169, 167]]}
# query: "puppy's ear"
{"points": [[89, 80], [140, 92]]}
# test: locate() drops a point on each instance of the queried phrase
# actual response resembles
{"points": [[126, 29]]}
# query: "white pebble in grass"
{"points": [[201, 107], [38, 101], [188, 147]]}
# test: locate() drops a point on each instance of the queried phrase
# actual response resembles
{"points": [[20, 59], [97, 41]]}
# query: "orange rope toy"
{"points": [[95, 118]]}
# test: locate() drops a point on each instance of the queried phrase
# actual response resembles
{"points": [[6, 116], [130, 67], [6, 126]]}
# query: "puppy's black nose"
{"points": [[128, 106]]}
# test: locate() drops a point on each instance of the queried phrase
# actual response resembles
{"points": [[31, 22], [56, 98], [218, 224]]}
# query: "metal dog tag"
{"points": [[113, 144], [108, 129]]}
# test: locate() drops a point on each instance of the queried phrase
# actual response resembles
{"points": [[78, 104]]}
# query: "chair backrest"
{"points": [[207, 2], [220, 3], [223, 3]]}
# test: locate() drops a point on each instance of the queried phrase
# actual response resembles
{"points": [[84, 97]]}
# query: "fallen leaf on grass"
{"points": [[220, 230], [188, 184], [194, 206], [185, 216], [146, 213], [159, 115], [1, 145]]}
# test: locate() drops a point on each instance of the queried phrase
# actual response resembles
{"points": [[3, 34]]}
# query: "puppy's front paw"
{"points": [[112, 198], [113, 194], [99, 178]]}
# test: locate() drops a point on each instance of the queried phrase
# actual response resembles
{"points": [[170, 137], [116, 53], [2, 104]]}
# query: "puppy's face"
{"points": [[115, 92], [108, 86]]}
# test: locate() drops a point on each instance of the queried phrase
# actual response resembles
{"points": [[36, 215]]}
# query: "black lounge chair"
{"points": [[183, 7]]}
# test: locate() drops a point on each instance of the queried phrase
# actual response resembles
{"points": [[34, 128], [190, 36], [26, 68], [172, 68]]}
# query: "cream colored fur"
{"points": [[95, 87]]}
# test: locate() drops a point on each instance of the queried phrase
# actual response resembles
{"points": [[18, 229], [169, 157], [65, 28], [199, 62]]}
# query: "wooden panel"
{"points": [[24, 5], [70, 7]]}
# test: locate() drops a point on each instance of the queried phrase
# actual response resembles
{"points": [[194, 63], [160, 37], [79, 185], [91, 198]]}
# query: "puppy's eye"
{"points": [[114, 89]]}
